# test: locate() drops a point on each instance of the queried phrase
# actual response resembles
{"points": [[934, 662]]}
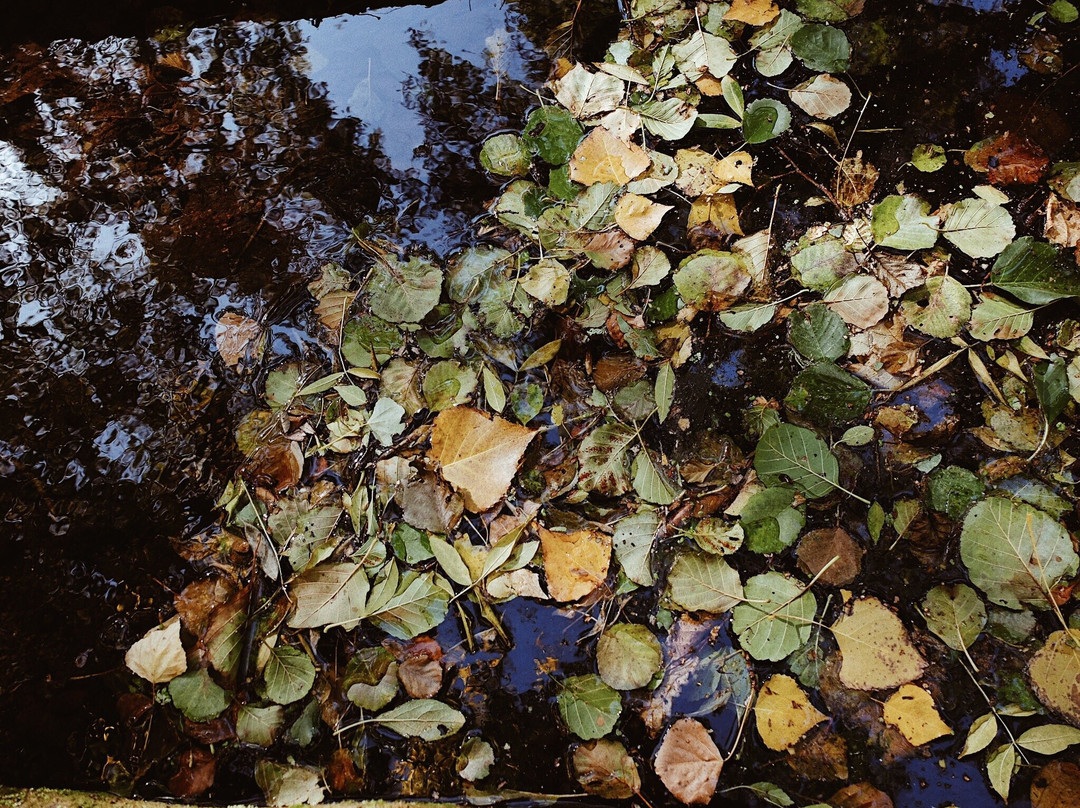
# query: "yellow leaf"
{"points": [[159, 656], [479, 454], [602, 157], [784, 713], [717, 210], [695, 172], [688, 762], [574, 563], [639, 216], [877, 652], [752, 12], [734, 168], [1054, 671], [911, 710]]}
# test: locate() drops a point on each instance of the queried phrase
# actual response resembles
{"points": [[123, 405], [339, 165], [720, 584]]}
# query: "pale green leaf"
{"points": [[628, 656], [979, 228], [1049, 739], [776, 616], [792, 453], [427, 719], [589, 707], [289, 674], [704, 583], [633, 540], [981, 734]]}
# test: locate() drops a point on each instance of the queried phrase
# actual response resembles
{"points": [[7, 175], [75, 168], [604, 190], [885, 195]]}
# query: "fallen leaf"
{"points": [[1056, 785], [736, 167], [586, 94], [911, 710], [159, 656], [716, 215], [823, 96], [688, 762], [752, 12], [696, 168], [876, 651], [286, 785], [784, 713], [602, 157], [1062, 222], [574, 563], [860, 795], [329, 594], [420, 670], [605, 769], [861, 300], [638, 216], [818, 549], [1008, 159], [478, 454], [239, 338], [855, 181], [332, 309], [1054, 671], [194, 774]]}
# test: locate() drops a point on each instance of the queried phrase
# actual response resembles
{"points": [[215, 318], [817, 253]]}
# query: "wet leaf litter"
{"points": [[448, 463]]}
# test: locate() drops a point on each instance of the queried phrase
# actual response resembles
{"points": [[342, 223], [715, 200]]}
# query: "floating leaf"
{"points": [[426, 719], [1049, 739], [928, 157], [1056, 785], [478, 454], [385, 420], [791, 453], [506, 155], [418, 605], [783, 713], [912, 711], [552, 133], [198, 696], [586, 94], [1000, 767], [239, 339], [289, 675], [711, 279], [288, 785], [671, 119], [259, 725], [650, 266], [602, 157], [638, 216], [633, 540], [1015, 553], [765, 119], [605, 769], [860, 300], [979, 228], [702, 54], [941, 307], [159, 656], [705, 583], [1033, 272], [776, 616], [818, 333], [548, 281], [823, 96], [904, 223], [876, 652], [650, 482], [628, 656], [602, 456], [329, 594], [821, 47], [980, 735], [589, 707], [688, 762], [1054, 671], [995, 317], [828, 395], [954, 613], [574, 563], [403, 292]]}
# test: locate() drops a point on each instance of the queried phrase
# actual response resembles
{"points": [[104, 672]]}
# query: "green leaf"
{"points": [[633, 540], [1063, 11], [475, 760], [664, 390], [1000, 767], [288, 785], [506, 155], [650, 483], [954, 613], [259, 725], [289, 674], [775, 619], [829, 11], [941, 307], [904, 223], [403, 292], [1034, 272], [994, 317], [828, 395], [979, 228], [771, 793], [769, 520], [494, 392], [1015, 553], [1049, 739], [928, 157], [553, 134], [733, 95], [773, 44], [1052, 387], [427, 719], [711, 279], [952, 490], [818, 333], [602, 458], [791, 453], [628, 656], [418, 605], [198, 696], [329, 594], [765, 119], [748, 317], [589, 707], [704, 583], [670, 119], [450, 561], [980, 735], [367, 342], [875, 521], [822, 48], [857, 435]]}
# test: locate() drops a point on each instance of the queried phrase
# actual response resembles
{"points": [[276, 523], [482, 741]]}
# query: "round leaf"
{"points": [[628, 656], [775, 617], [289, 675], [705, 583], [589, 707], [764, 120]]}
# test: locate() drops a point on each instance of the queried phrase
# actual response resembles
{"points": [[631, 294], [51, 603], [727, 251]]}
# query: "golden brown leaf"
{"points": [[478, 454], [735, 167], [1056, 785], [784, 714], [638, 215], [602, 157], [877, 652], [688, 762], [239, 338], [752, 12], [1054, 671], [717, 213], [912, 711], [818, 548], [574, 563], [855, 180]]}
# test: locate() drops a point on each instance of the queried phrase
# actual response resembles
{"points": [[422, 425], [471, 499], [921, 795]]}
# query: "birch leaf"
{"points": [[911, 710], [159, 656], [329, 594], [784, 714], [688, 762], [877, 653], [823, 96]]}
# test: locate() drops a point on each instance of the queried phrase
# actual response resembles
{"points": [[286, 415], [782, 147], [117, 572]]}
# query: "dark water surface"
{"points": [[149, 185]]}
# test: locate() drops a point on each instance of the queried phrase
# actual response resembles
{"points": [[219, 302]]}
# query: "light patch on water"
{"points": [[19, 184], [121, 445]]}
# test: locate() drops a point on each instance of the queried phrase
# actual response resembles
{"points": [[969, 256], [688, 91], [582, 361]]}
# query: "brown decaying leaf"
{"points": [[1062, 222], [478, 454], [860, 795], [877, 652], [605, 769], [276, 465], [608, 249], [420, 671], [602, 157], [821, 755], [855, 180], [342, 775], [688, 762], [819, 547], [238, 337], [614, 371], [332, 309], [198, 600], [574, 563], [1056, 785], [428, 503], [1008, 159], [195, 774]]}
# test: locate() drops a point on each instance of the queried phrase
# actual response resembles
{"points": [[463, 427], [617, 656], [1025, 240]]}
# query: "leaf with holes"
{"points": [[603, 461]]}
